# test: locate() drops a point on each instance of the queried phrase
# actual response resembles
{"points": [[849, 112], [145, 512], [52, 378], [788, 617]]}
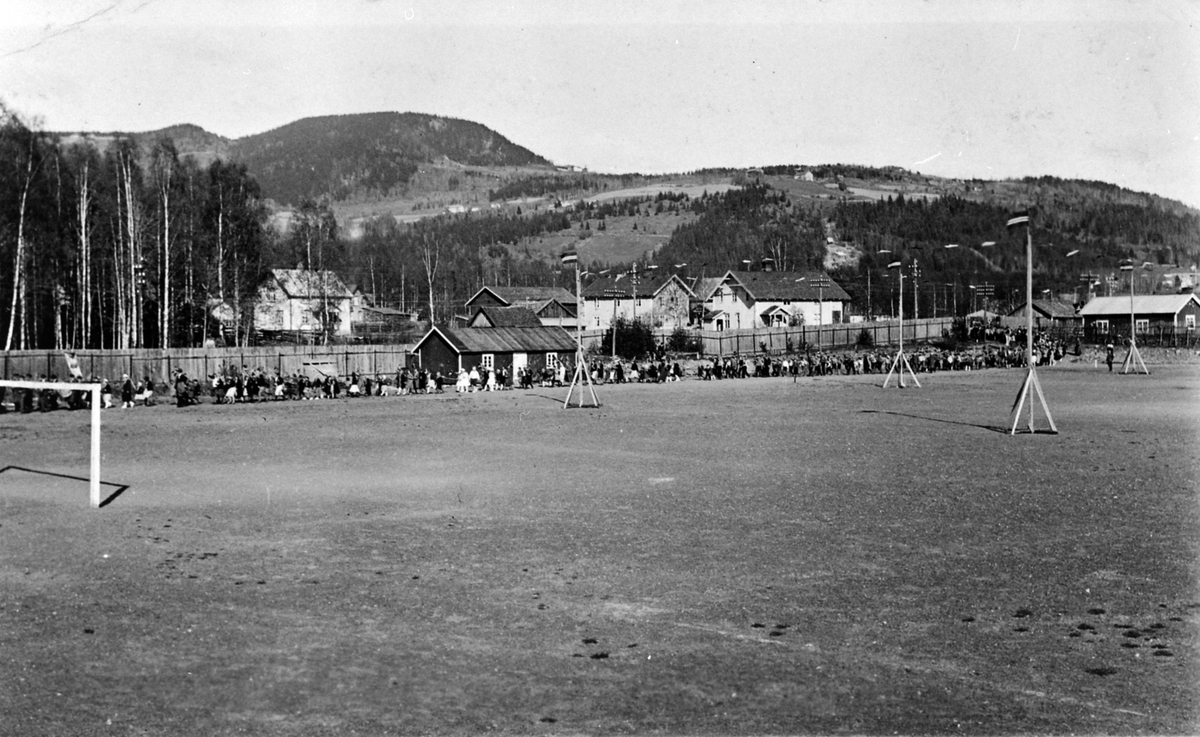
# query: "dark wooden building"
{"points": [[534, 348], [554, 306]]}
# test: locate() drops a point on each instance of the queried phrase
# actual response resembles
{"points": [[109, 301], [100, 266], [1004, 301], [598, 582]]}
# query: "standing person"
{"points": [[126, 392], [1108, 356]]}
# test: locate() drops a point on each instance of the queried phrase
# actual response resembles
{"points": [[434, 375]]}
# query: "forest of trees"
{"points": [[121, 247], [128, 244], [747, 224]]}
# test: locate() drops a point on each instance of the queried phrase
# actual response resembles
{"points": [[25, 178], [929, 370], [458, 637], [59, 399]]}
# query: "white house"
{"points": [[745, 299], [662, 300], [303, 300]]}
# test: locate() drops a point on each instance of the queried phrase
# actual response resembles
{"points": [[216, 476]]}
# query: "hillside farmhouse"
{"points": [[745, 299], [554, 306], [1152, 312], [662, 300], [303, 300], [449, 349]]}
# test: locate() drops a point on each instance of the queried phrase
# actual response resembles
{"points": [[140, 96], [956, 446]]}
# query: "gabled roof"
{"points": [[705, 286], [647, 285], [1051, 308], [509, 296], [567, 307], [310, 284], [1148, 304], [778, 286], [504, 317], [503, 340], [775, 308]]}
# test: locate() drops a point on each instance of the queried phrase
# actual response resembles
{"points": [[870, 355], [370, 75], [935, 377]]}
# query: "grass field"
{"points": [[755, 556]]}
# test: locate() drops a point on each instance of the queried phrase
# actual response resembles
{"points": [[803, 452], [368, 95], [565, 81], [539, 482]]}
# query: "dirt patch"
{"points": [[754, 556]]}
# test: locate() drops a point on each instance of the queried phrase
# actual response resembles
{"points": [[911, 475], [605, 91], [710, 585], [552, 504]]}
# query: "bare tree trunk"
{"points": [[84, 316], [164, 294], [19, 266], [430, 252]]}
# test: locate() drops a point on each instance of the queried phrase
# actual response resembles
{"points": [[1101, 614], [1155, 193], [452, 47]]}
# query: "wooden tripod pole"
{"points": [[900, 362], [1031, 379], [581, 374]]}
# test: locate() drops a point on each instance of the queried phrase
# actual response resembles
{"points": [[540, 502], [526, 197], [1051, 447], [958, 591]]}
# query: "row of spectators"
{"points": [[236, 385], [70, 396]]}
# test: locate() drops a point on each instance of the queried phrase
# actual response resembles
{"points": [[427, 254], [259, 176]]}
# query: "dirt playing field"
{"points": [[754, 556]]}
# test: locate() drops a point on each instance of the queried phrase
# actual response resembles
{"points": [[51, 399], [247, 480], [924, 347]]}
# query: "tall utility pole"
{"points": [[916, 274], [1031, 380], [1128, 364]]}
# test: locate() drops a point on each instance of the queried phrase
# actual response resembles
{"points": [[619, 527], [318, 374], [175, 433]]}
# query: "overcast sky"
{"points": [[1101, 90]]}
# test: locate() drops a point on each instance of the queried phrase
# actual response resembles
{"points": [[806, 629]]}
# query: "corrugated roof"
{"points": [[506, 317], [505, 340], [310, 284], [388, 311], [1049, 307], [513, 295], [775, 286], [1145, 304]]}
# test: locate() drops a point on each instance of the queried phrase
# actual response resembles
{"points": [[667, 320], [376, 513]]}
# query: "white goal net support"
{"points": [[94, 390]]}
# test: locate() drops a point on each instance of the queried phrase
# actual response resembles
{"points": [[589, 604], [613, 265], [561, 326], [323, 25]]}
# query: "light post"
{"points": [[916, 274], [1127, 364], [900, 361], [615, 294]]}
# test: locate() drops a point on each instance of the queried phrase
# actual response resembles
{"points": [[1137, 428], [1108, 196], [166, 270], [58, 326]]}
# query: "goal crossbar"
{"points": [[94, 472]]}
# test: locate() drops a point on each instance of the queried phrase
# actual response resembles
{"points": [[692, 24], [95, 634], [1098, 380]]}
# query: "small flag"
{"points": [[985, 244], [1126, 266], [894, 265], [952, 245], [619, 277], [1072, 253], [570, 257], [1018, 218]]}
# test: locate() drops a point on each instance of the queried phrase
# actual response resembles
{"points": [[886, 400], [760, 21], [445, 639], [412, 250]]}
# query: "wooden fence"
{"points": [[198, 363], [815, 337]]}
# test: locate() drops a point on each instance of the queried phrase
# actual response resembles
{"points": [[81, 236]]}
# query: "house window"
{"points": [[1190, 321], [1102, 326], [487, 361], [552, 360], [1141, 326]]}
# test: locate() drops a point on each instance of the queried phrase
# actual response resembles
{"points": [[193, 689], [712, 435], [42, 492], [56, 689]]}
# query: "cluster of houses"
{"points": [[533, 327]]}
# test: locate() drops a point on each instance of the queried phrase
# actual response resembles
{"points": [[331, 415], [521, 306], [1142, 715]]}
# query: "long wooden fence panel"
{"points": [[199, 363]]}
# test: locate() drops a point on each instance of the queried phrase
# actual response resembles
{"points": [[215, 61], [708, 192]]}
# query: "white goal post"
{"points": [[94, 473]]}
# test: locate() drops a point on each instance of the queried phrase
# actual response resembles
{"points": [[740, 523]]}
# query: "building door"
{"points": [[520, 361]]}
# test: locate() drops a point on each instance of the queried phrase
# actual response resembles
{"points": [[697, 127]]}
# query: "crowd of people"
{"points": [[70, 396], [233, 384]]}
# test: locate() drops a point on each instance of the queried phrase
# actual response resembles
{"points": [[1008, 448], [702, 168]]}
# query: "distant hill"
{"points": [[368, 154], [365, 156]]}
